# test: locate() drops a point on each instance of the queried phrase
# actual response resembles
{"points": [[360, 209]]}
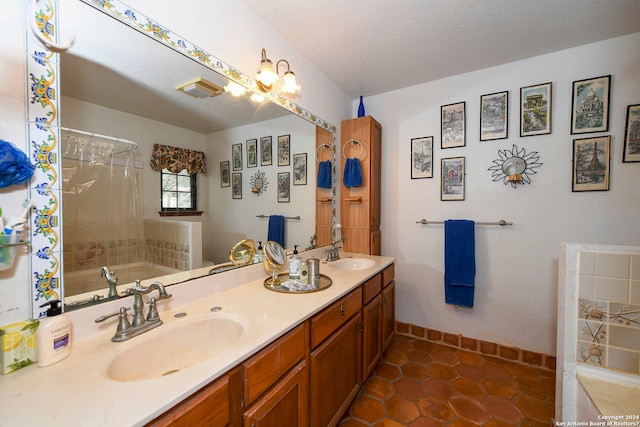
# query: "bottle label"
{"points": [[61, 342], [294, 268]]}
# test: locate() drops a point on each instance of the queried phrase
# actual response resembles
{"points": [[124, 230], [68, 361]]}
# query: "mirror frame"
{"points": [[43, 129]]}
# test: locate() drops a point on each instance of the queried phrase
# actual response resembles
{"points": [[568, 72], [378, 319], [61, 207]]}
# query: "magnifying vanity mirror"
{"points": [[274, 261], [117, 81]]}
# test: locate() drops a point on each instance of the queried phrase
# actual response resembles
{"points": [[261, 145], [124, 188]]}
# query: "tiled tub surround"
{"points": [[609, 311], [598, 331], [91, 398], [174, 244]]}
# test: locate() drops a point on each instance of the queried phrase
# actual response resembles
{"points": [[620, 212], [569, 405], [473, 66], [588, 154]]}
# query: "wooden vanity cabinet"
{"points": [[217, 404], [275, 383], [388, 296], [335, 361], [371, 324]]}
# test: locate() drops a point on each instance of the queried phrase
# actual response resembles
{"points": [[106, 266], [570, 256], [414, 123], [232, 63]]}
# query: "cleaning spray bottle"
{"points": [[54, 335]]}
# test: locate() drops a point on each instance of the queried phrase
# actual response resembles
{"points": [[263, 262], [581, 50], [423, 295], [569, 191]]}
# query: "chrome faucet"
{"points": [[332, 252], [139, 324], [112, 281]]}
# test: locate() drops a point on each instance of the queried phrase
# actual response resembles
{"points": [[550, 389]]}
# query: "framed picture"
{"points": [[591, 164], [300, 169], [284, 150], [590, 105], [225, 178], [252, 153], [631, 151], [452, 184], [422, 157], [535, 109], [266, 151], [236, 156], [236, 186], [494, 116], [284, 187], [452, 125]]}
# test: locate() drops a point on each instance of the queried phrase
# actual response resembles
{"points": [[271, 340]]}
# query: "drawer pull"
{"points": [[342, 310]]}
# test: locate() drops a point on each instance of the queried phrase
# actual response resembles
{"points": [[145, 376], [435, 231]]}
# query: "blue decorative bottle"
{"points": [[361, 108]]}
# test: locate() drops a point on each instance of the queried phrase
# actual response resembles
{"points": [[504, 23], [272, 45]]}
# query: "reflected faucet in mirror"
{"points": [[112, 281]]}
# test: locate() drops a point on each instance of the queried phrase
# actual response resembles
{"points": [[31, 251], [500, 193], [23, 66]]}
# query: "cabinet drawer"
{"points": [[371, 288], [388, 274], [265, 368], [331, 318]]}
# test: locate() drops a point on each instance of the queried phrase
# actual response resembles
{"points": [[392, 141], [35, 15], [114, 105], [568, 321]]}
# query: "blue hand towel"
{"points": [[352, 176], [324, 174], [459, 262], [276, 229]]}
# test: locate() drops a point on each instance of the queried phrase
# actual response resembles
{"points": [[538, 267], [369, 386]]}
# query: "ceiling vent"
{"points": [[200, 88]]}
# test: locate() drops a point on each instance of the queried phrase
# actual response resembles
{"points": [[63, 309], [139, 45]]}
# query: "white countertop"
{"points": [[77, 391]]}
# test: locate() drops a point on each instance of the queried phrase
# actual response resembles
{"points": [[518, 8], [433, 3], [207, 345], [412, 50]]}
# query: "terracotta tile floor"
{"points": [[418, 384]]}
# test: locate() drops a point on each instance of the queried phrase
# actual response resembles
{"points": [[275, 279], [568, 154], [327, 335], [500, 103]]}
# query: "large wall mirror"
{"points": [[119, 84]]}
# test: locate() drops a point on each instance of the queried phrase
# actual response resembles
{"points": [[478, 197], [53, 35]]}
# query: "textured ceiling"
{"points": [[373, 46]]}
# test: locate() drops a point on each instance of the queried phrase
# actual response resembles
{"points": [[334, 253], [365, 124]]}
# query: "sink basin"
{"points": [[352, 263], [180, 346]]}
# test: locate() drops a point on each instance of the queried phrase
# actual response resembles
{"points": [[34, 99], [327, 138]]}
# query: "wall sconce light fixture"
{"points": [[268, 76]]}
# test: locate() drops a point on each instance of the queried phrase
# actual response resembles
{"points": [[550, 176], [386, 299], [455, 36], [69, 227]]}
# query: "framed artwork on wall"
{"points": [[236, 187], [284, 150], [590, 105], [300, 169], [591, 159], [252, 153], [452, 125], [422, 157], [236, 156], [452, 182], [494, 116], [535, 109], [266, 151], [631, 151], [225, 178], [284, 188]]}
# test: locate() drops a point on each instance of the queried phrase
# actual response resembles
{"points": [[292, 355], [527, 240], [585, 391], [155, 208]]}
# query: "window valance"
{"points": [[177, 159]]}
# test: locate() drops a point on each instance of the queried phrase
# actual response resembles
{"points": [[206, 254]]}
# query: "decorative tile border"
{"points": [[43, 135], [486, 348]]}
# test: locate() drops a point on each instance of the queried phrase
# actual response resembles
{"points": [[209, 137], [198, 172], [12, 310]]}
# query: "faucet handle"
{"points": [[152, 314], [123, 321], [121, 310]]}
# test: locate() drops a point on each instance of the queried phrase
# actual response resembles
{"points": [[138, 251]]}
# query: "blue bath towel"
{"points": [[352, 176], [459, 262], [276, 229], [324, 174]]}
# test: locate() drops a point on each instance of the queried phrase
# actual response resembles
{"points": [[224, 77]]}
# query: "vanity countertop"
{"points": [[76, 391]]}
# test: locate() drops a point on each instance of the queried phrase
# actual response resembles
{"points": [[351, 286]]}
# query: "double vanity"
{"points": [[229, 352]]}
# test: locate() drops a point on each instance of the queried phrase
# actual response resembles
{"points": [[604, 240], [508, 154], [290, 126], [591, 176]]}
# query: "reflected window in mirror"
{"points": [[179, 192]]}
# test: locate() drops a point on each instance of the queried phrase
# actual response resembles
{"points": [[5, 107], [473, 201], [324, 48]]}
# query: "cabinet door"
{"points": [[335, 377], [285, 405], [210, 406], [371, 335], [388, 314]]}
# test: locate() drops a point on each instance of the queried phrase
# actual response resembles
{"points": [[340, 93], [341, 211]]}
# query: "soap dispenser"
{"points": [[294, 264], [54, 335]]}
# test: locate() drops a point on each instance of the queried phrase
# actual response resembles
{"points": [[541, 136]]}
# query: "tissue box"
{"points": [[19, 345]]}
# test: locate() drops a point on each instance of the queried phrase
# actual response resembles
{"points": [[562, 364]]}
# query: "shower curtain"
{"points": [[102, 216]]}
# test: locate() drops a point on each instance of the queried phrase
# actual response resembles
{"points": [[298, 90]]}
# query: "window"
{"points": [[179, 191]]}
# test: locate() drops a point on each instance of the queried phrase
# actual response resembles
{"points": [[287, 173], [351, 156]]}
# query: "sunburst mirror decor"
{"points": [[258, 183], [514, 166]]}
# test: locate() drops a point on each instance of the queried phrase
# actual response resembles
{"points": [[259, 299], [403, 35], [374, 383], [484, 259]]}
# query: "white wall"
{"points": [[232, 220], [516, 279]]}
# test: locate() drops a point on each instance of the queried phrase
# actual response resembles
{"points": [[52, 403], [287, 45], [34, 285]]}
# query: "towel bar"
{"points": [[501, 223], [286, 217]]}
